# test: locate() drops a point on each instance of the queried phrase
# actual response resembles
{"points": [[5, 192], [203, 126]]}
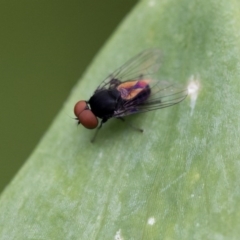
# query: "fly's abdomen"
{"points": [[142, 96], [135, 90]]}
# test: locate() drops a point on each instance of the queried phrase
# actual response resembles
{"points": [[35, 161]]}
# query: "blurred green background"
{"points": [[45, 46]]}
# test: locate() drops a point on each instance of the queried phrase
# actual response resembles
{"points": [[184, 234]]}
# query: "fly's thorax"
{"points": [[103, 103]]}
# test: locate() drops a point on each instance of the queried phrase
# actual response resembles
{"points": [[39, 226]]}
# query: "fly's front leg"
{"points": [[96, 132]]}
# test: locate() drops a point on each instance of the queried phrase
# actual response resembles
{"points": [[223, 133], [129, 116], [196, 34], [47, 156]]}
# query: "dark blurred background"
{"points": [[44, 48]]}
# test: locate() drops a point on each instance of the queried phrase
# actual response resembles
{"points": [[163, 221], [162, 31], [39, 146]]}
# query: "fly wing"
{"points": [[162, 94], [139, 67]]}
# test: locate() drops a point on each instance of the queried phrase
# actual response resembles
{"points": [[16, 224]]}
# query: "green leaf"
{"points": [[177, 180]]}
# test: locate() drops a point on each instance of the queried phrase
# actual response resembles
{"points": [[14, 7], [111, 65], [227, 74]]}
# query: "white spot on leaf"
{"points": [[118, 235], [193, 89], [151, 3], [151, 221]]}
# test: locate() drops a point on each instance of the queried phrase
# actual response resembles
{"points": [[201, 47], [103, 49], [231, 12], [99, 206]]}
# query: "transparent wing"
{"points": [[162, 94], [140, 66]]}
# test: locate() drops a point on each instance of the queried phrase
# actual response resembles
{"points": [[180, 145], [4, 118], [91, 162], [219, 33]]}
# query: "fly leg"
{"points": [[96, 132], [135, 128]]}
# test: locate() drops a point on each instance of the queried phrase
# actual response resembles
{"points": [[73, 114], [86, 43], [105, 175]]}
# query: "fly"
{"points": [[129, 90]]}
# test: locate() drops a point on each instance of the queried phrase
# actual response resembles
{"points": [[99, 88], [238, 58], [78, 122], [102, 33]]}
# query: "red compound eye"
{"points": [[85, 116], [79, 107], [88, 119]]}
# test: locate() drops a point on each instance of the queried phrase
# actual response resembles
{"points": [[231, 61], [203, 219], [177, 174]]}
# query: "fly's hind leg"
{"points": [[135, 128]]}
